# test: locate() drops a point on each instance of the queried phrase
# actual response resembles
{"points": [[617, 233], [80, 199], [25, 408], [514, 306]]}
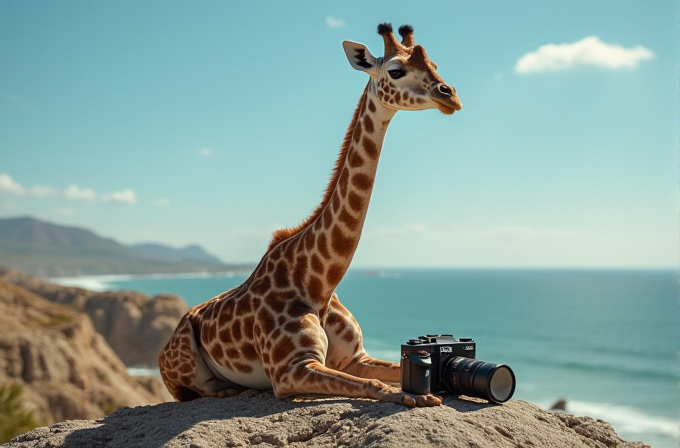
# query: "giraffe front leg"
{"points": [[312, 377], [297, 364], [364, 366]]}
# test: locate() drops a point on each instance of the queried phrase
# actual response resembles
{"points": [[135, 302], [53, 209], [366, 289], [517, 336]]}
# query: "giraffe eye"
{"points": [[397, 73]]}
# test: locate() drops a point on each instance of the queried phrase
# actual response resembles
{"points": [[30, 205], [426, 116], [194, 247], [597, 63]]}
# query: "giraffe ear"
{"points": [[359, 57]]}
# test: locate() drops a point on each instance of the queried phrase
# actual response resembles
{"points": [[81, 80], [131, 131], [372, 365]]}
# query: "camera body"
{"points": [[440, 347], [443, 363]]}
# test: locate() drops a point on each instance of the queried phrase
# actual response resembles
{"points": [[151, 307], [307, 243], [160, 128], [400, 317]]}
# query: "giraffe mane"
{"points": [[283, 234]]}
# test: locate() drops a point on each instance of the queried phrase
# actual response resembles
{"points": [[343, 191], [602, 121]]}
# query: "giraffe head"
{"points": [[404, 78]]}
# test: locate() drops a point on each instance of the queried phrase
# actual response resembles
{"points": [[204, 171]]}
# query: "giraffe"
{"points": [[284, 327]]}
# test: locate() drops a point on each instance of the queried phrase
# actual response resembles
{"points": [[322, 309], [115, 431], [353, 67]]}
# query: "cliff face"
{"points": [[135, 326], [258, 418], [66, 368]]}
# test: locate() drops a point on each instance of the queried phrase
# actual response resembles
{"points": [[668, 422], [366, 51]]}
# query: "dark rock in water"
{"points": [[258, 418], [560, 405], [136, 326]]}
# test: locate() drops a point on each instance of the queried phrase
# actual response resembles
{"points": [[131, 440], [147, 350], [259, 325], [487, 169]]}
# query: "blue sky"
{"points": [[217, 122]]}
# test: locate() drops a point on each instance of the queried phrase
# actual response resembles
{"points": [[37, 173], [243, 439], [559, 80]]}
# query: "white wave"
{"points": [[92, 282], [107, 282], [626, 419], [143, 371]]}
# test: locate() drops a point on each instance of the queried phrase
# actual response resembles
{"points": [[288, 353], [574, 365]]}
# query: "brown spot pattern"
{"points": [[368, 124], [281, 274], [248, 351], [317, 266], [322, 246], [282, 349], [340, 243], [370, 148], [344, 177], [350, 221], [335, 203], [245, 368], [362, 181], [236, 330], [306, 341], [248, 323], [300, 270], [266, 320], [310, 239], [293, 326], [371, 106], [356, 202], [314, 286], [355, 160], [334, 274], [327, 218]]}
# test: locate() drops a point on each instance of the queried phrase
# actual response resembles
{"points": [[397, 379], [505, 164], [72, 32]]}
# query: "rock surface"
{"points": [[135, 326], [259, 419], [66, 368]]}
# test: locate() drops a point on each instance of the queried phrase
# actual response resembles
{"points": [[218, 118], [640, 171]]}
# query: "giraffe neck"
{"points": [[319, 252]]}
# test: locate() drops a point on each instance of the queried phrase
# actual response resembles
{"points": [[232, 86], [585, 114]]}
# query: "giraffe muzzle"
{"points": [[446, 99]]}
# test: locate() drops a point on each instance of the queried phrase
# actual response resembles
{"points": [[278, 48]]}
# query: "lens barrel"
{"points": [[476, 378]]}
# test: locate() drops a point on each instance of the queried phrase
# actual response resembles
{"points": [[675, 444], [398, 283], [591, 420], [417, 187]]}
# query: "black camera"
{"points": [[441, 363]]}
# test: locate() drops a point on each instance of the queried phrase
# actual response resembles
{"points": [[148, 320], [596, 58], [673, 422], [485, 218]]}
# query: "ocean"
{"points": [[606, 341]]}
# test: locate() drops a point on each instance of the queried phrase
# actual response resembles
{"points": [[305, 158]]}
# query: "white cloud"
{"points": [[43, 191], [162, 202], [9, 185], [587, 51], [491, 233], [333, 22], [502, 232], [206, 151], [126, 196], [75, 193]]}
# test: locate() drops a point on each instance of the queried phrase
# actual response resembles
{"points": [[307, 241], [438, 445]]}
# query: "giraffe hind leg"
{"points": [[345, 348], [183, 370]]}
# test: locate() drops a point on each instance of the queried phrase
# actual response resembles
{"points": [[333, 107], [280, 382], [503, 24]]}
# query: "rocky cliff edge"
{"points": [[259, 419]]}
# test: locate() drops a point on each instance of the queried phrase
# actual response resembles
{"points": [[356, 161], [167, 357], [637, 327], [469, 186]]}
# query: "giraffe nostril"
{"points": [[446, 90]]}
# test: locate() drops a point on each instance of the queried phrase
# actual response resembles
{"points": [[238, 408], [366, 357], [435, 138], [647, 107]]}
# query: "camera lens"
{"points": [[475, 378]]}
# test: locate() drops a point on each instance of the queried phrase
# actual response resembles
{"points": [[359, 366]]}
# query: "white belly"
{"points": [[256, 379]]}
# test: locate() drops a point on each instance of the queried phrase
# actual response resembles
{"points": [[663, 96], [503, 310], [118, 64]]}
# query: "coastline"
{"points": [[630, 420], [101, 283]]}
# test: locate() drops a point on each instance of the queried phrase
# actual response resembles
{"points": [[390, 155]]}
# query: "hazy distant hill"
{"points": [[44, 249], [192, 252]]}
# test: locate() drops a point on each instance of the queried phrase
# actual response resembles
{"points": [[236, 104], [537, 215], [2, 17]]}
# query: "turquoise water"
{"points": [[604, 340]]}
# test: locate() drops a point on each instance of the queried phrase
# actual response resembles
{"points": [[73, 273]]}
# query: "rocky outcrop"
{"points": [[136, 326], [66, 368], [259, 419]]}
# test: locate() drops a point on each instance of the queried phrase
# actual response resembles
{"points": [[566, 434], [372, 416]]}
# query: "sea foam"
{"points": [[626, 419]]}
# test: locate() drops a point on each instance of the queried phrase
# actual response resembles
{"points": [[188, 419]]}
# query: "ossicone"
{"points": [[406, 33], [384, 28]]}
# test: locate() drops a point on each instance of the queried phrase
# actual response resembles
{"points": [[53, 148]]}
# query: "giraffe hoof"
{"points": [[427, 400], [408, 401]]}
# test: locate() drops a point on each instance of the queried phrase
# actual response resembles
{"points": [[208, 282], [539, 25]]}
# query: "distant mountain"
{"points": [[189, 253], [49, 250]]}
